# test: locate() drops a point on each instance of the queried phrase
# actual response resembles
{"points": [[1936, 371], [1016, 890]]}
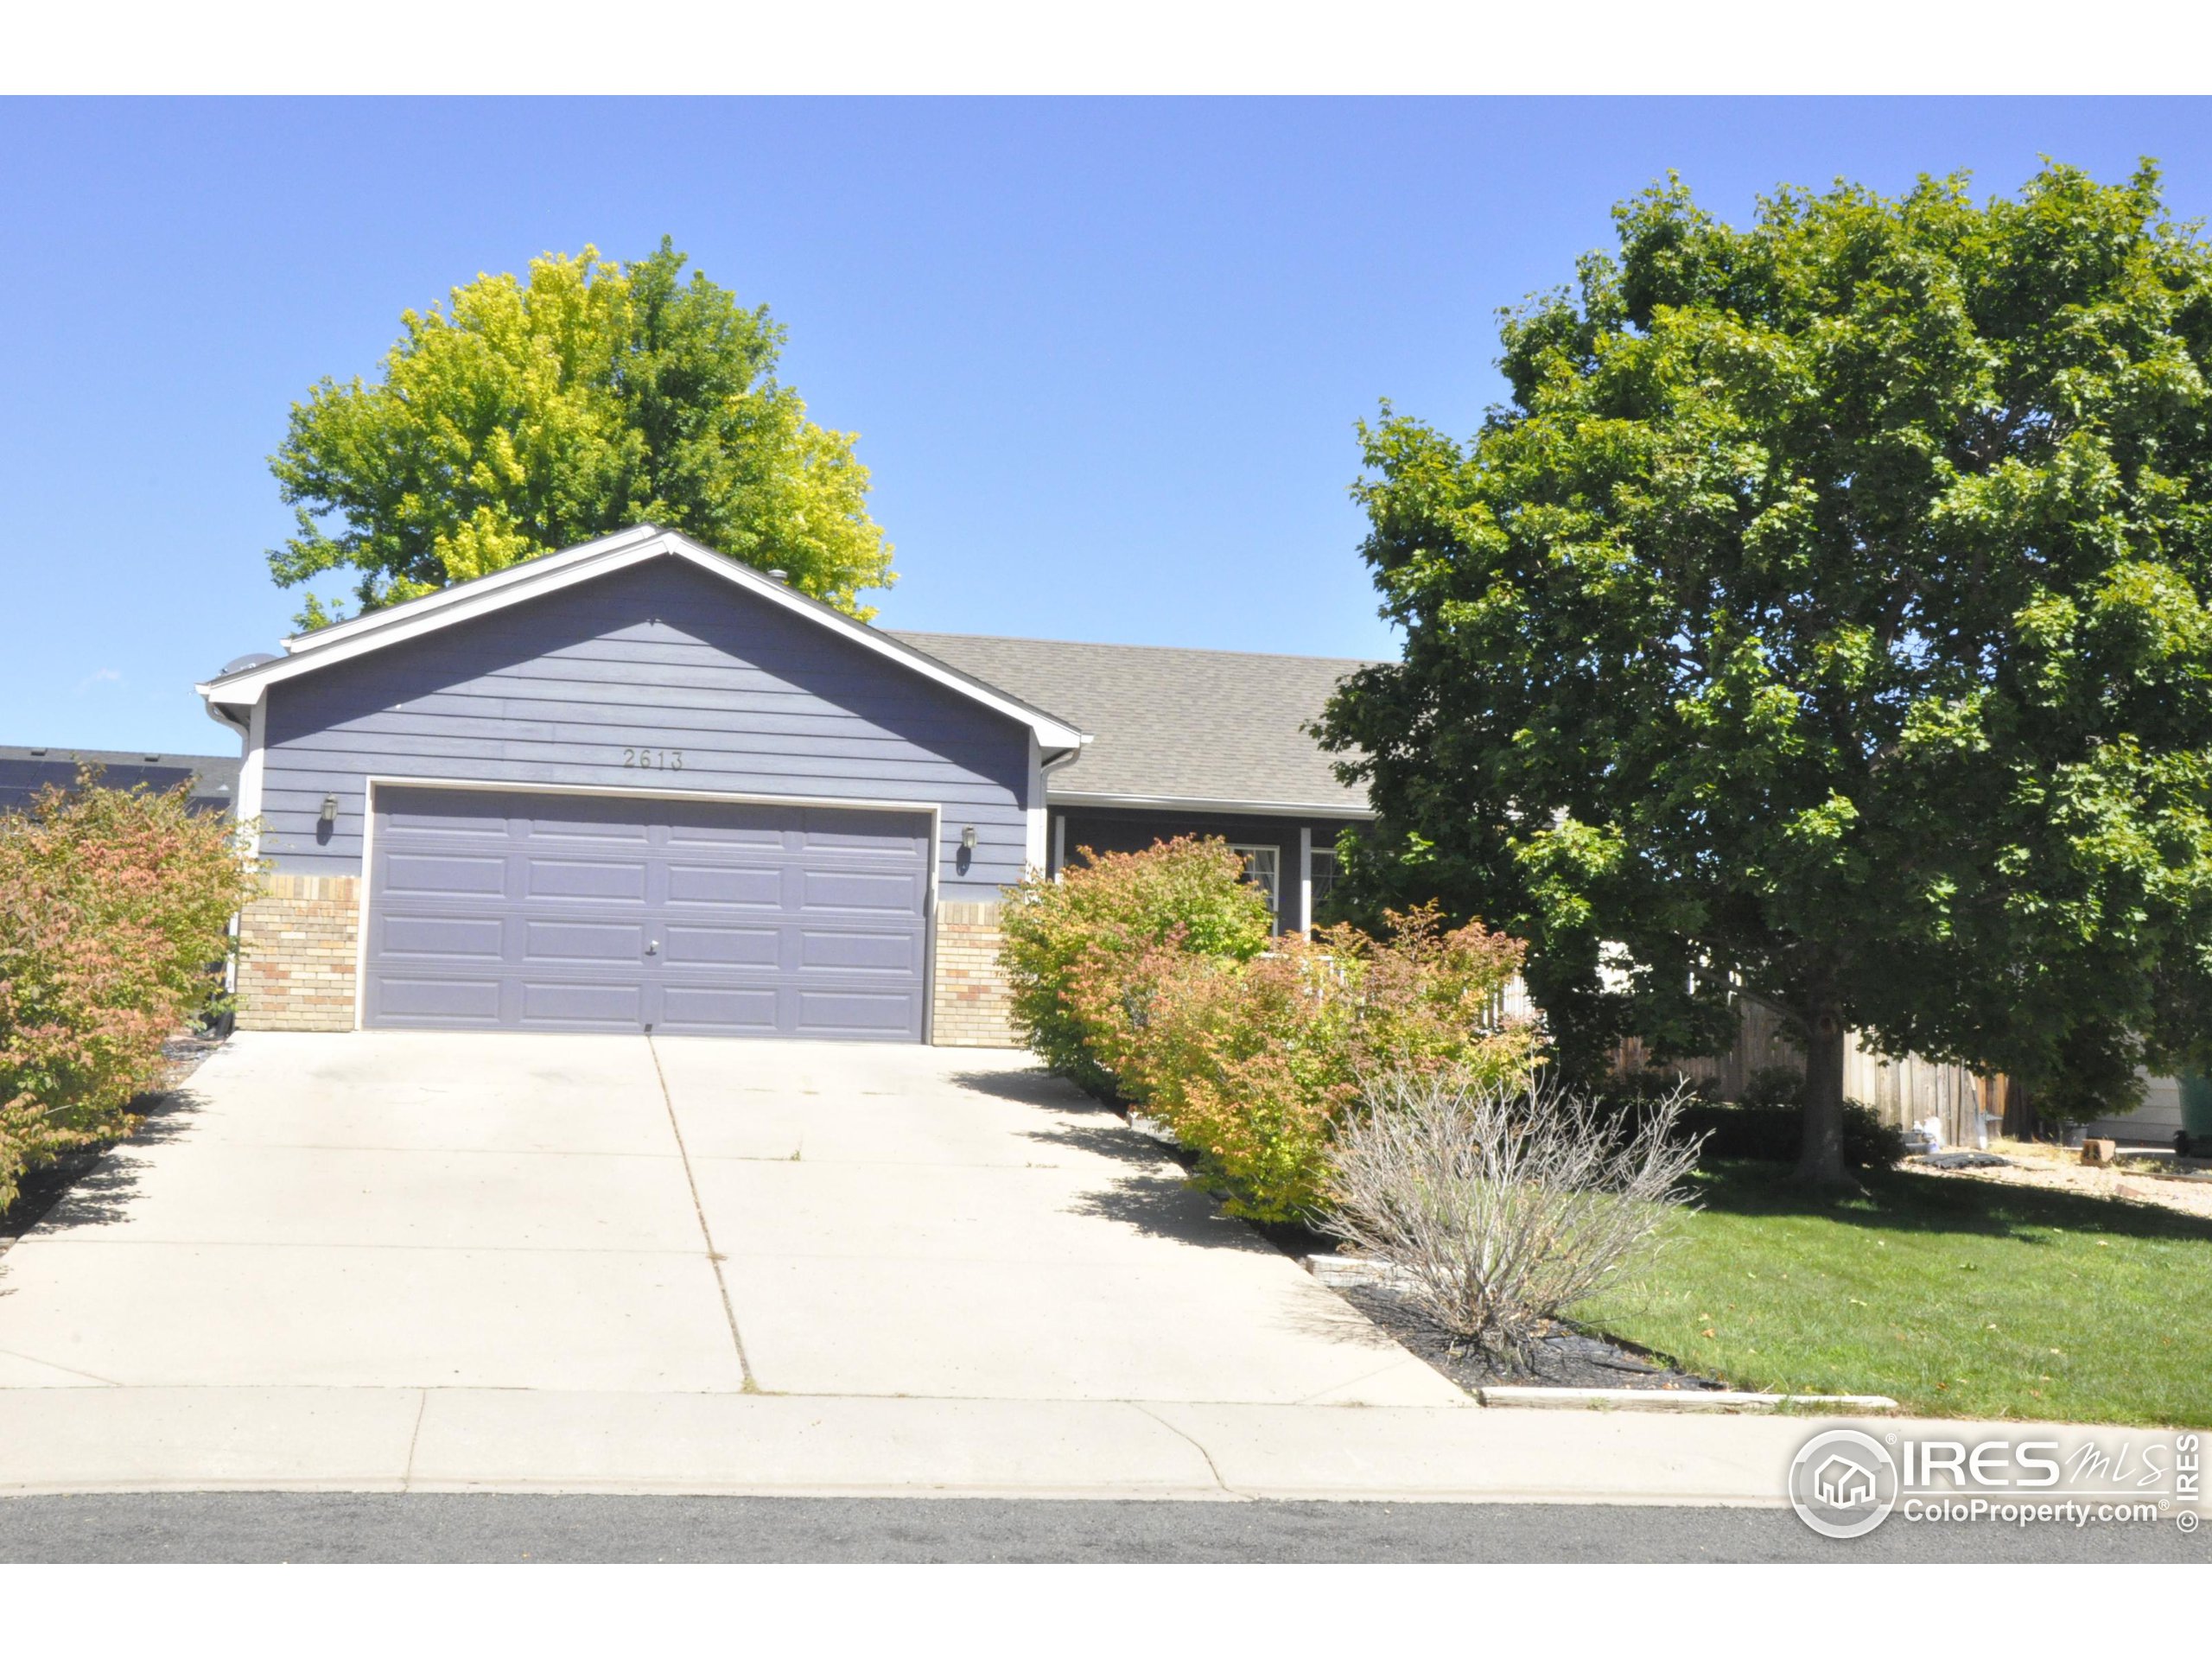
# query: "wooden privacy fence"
{"points": [[1905, 1091]]}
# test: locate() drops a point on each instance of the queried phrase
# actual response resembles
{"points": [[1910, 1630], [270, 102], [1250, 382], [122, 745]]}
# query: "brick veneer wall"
{"points": [[298, 944], [969, 998]]}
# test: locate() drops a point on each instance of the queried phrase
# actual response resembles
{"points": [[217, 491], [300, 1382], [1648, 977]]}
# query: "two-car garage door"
{"points": [[492, 909]]}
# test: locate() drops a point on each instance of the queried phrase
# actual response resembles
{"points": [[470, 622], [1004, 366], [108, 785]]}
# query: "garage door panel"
{"points": [[616, 913], [884, 893], [720, 1010], [765, 828], [686, 943], [860, 950], [595, 1004], [882, 832], [858, 1014], [424, 1001], [441, 872], [622, 943], [461, 821], [615, 837], [758, 887], [443, 938], [563, 878]]}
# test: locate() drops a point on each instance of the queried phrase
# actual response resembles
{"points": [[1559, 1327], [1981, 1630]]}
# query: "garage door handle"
{"points": [[652, 947]]}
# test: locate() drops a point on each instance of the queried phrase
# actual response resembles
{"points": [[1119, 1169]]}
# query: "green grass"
{"points": [[1960, 1299]]}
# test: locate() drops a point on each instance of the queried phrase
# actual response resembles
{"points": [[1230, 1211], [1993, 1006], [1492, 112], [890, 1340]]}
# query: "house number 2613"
{"points": [[665, 759]]}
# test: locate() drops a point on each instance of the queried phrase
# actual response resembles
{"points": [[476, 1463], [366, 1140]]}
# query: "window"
{"points": [[1263, 868], [1323, 870]]}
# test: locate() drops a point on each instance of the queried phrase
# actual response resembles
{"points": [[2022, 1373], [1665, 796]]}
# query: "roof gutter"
{"points": [[216, 712], [1195, 803]]}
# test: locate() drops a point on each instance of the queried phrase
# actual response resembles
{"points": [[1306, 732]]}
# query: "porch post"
{"points": [[1305, 878]]}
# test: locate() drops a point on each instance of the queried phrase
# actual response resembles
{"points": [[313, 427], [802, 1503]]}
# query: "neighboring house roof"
{"points": [[1173, 727], [25, 772], [551, 572]]}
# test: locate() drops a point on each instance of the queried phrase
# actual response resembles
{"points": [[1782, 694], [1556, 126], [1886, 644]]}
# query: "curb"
{"points": [[1705, 1399]]}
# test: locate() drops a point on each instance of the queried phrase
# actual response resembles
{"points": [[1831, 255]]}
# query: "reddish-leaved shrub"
{"points": [[1070, 944], [115, 907], [1254, 1064]]}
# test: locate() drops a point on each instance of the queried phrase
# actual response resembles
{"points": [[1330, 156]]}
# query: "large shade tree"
{"points": [[530, 416], [1824, 619]]}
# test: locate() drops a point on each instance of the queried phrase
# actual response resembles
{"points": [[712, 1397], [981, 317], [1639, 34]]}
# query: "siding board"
{"points": [[660, 656]]}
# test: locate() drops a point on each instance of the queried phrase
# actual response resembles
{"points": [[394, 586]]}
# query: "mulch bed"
{"points": [[1565, 1357]]}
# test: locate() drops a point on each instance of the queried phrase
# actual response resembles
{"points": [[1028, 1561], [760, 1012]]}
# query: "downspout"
{"points": [[245, 729], [1053, 838]]}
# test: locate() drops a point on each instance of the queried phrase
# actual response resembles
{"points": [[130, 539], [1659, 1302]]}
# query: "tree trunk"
{"points": [[1820, 1163]]}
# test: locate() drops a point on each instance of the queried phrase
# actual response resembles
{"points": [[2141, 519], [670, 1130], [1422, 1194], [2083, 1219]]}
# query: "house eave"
{"points": [[1208, 805]]}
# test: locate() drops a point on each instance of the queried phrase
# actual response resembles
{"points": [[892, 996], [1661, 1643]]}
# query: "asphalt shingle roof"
{"points": [[1167, 723], [25, 772]]}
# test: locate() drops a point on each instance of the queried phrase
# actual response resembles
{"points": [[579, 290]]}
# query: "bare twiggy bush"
{"points": [[1502, 1206]]}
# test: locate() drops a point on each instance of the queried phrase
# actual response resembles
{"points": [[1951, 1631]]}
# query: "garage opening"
{"points": [[498, 910]]}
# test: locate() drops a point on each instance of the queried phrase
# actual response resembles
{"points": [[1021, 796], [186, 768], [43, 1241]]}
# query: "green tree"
{"points": [[528, 417], [1824, 616]]}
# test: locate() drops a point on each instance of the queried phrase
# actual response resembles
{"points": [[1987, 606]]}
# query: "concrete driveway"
{"points": [[595, 1214]]}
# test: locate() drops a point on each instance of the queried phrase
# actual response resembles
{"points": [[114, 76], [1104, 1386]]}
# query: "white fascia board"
{"points": [[1192, 803], [556, 571], [529, 572]]}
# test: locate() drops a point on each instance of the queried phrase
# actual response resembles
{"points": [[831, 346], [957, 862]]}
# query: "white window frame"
{"points": [[1250, 852]]}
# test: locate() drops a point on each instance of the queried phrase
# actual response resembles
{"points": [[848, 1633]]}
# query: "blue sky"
{"points": [[1104, 356]]}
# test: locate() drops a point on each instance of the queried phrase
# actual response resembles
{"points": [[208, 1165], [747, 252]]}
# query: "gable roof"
{"points": [[549, 573], [1171, 727]]}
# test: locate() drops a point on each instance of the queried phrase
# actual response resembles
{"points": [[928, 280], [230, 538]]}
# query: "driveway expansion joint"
{"points": [[414, 1439], [715, 1258]]}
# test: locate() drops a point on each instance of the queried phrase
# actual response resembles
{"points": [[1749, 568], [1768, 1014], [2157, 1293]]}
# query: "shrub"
{"points": [[115, 905], [1068, 944], [1502, 1206], [1253, 1065]]}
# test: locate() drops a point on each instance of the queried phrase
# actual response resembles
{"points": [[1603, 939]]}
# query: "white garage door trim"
{"points": [[932, 809]]}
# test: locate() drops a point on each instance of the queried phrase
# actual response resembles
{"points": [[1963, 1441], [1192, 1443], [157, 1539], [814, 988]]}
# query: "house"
{"points": [[2155, 1122], [25, 772], [636, 785]]}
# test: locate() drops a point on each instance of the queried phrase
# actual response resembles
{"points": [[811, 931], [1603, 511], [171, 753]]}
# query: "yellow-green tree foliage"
{"points": [[531, 415]]}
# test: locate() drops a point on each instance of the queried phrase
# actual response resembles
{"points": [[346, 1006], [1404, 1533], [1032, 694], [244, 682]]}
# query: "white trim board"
{"points": [[553, 572], [1305, 878], [1226, 809]]}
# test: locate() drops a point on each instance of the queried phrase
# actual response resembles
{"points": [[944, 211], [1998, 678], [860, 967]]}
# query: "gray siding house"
{"points": [[636, 785]]}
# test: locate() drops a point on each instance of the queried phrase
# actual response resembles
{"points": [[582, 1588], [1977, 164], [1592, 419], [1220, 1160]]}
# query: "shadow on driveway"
{"points": [[92, 1187]]}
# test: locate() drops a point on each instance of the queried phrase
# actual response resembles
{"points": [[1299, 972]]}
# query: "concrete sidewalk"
{"points": [[543, 1441]]}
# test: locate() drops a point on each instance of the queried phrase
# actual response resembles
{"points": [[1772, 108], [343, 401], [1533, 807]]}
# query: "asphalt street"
{"points": [[483, 1527]]}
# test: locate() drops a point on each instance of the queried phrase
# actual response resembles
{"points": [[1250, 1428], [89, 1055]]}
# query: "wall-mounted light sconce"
{"points": [[967, 839], [330, 809]]}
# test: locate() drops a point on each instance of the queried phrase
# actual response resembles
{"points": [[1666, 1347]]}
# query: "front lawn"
{"points": [[1960, 1299]]}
